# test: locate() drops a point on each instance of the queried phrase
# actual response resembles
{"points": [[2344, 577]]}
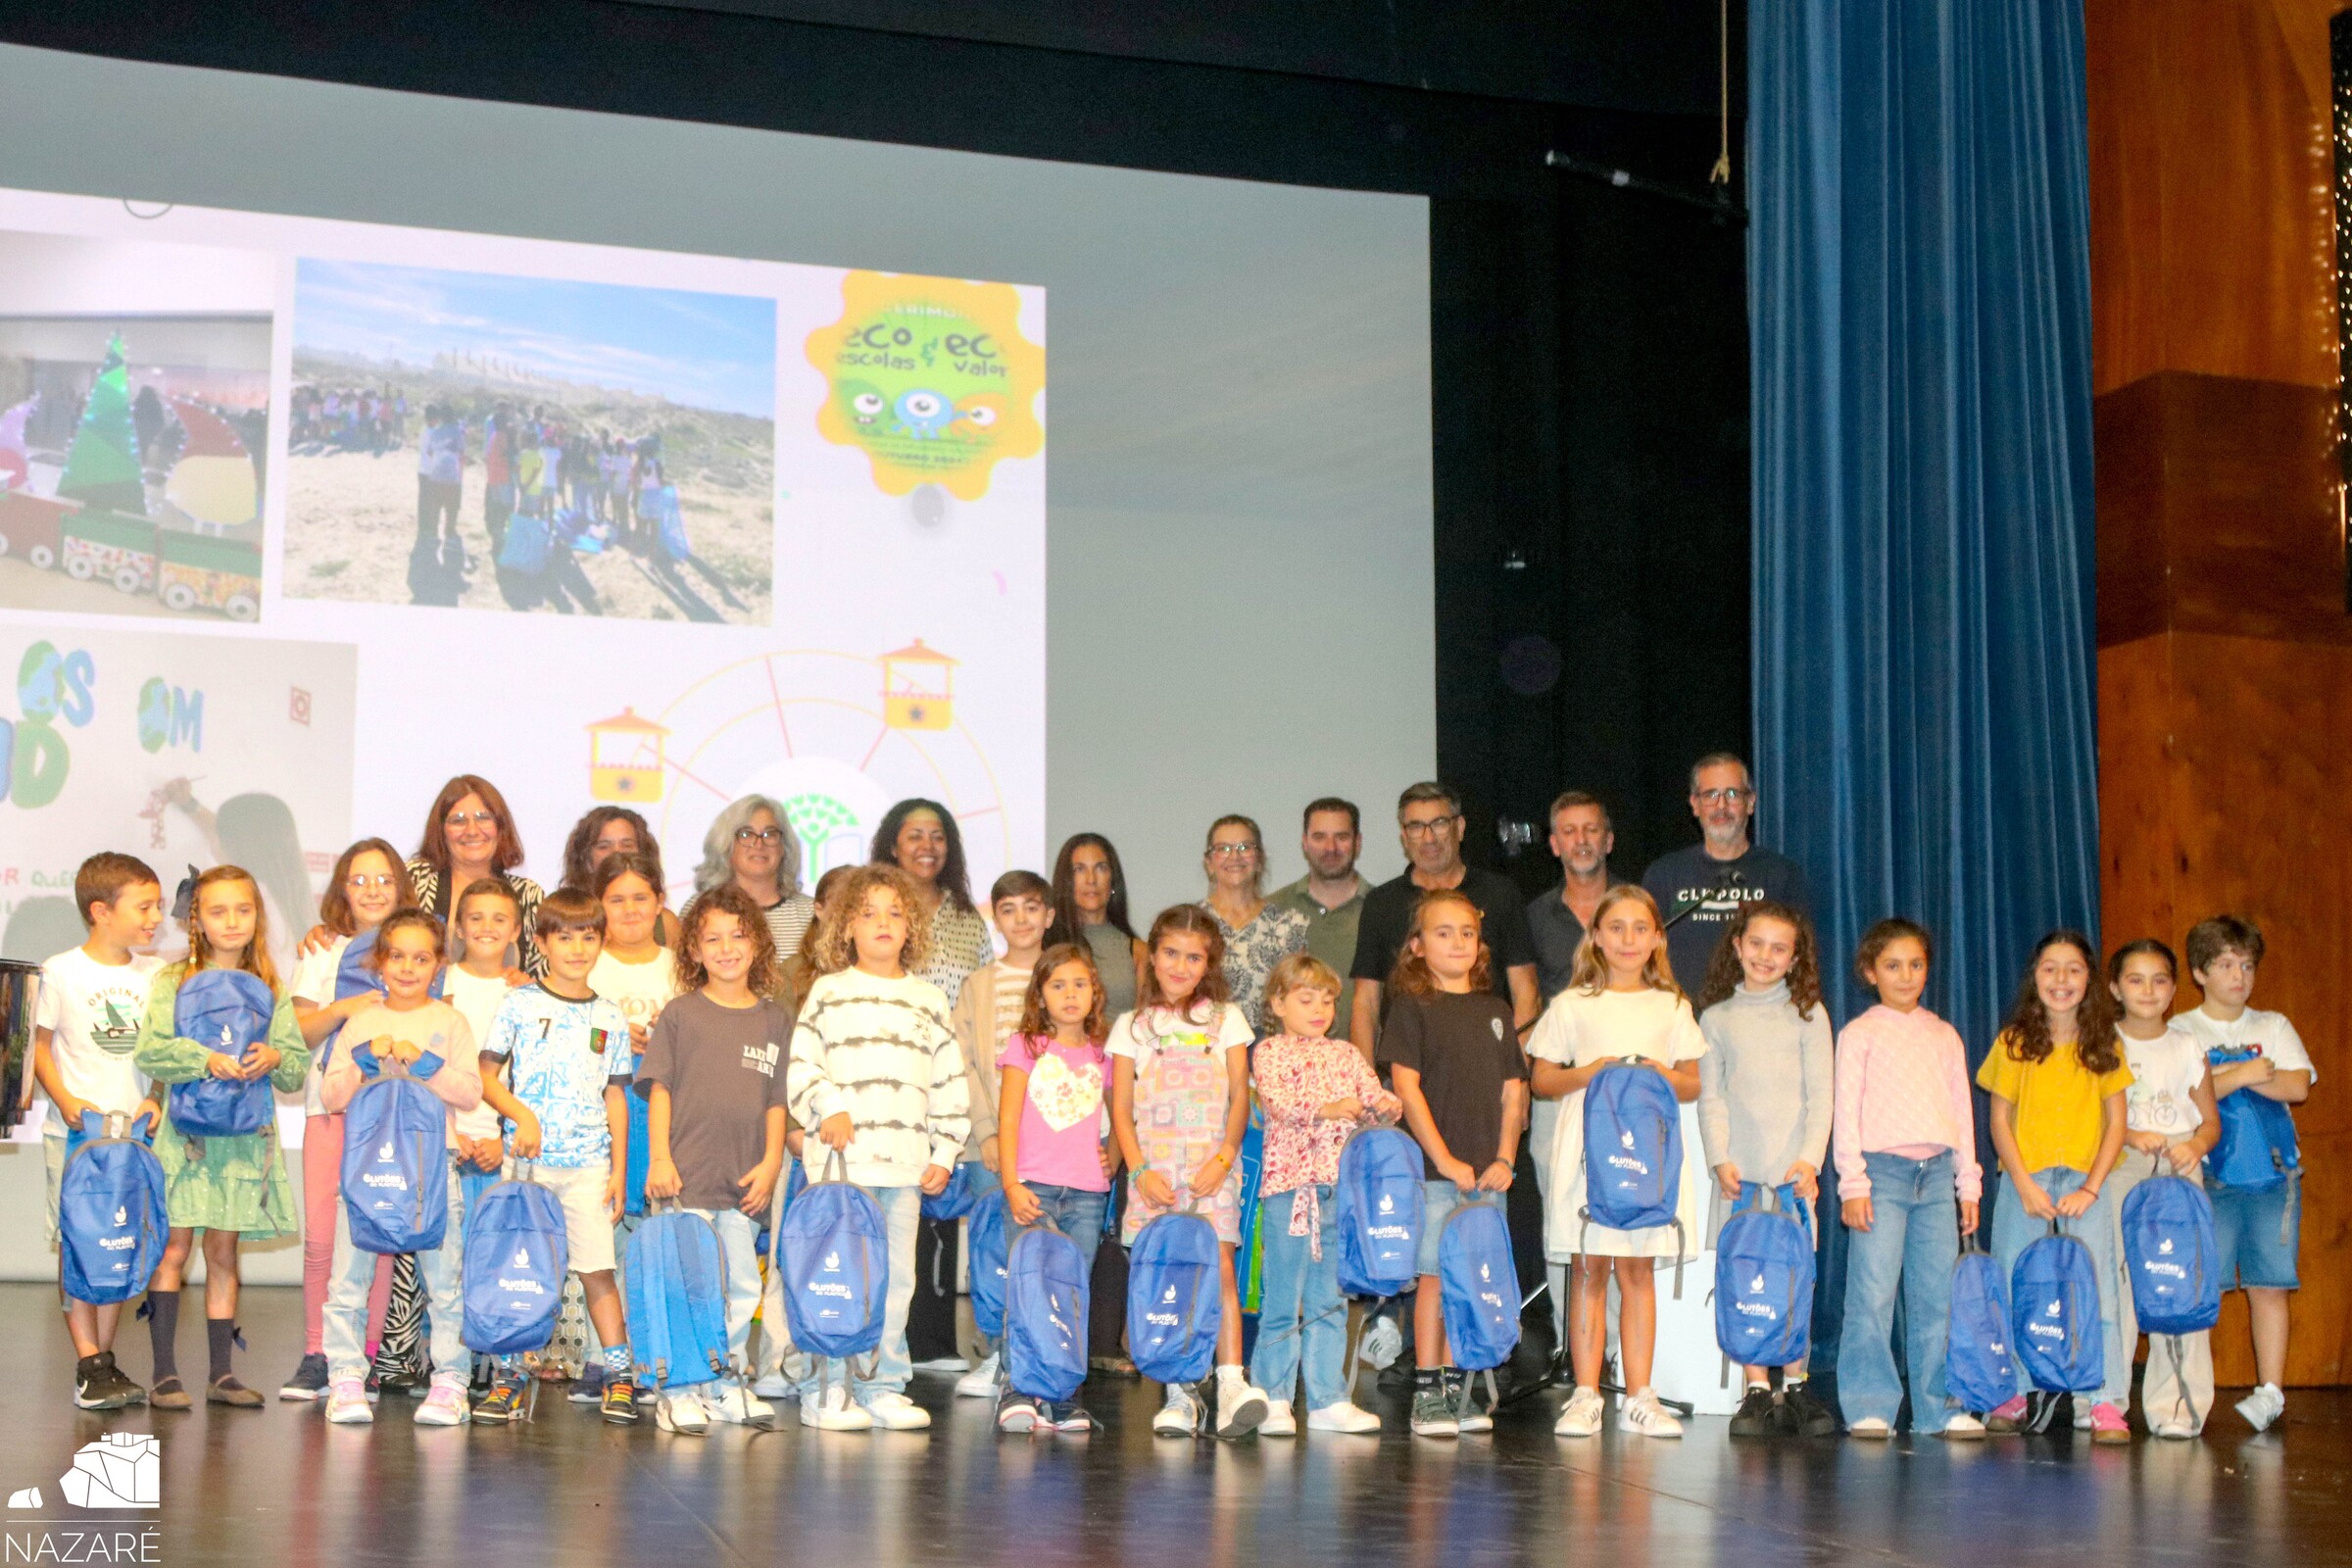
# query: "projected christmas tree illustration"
{"points": [[102, 468]]}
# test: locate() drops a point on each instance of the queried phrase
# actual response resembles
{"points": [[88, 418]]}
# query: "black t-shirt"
{"points": [[1712, 890], [1466, 1050], [1387, 920], [1557, 933]]}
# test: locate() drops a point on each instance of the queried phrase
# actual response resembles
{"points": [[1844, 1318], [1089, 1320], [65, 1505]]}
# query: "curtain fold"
{"points": [[1920, 322]]}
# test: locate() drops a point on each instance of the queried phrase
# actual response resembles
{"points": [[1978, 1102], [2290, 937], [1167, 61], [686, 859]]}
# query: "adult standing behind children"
{"points": [[752, 846], [1258, 935], [1332, 894], [1090, 908], [1701, 887], [469, 834]]}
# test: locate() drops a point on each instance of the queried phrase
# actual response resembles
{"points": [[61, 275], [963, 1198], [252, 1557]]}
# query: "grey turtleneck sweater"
{"points": [[1764, 1085]]}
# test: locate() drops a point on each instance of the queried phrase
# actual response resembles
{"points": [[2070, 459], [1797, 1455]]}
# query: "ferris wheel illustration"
{"points": [[835, 737]]}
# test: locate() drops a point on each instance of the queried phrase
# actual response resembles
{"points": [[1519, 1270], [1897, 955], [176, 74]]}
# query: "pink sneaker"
{"points": [[2008, 1416], [347, 1403], [2107, 1425], [444, 1406]]}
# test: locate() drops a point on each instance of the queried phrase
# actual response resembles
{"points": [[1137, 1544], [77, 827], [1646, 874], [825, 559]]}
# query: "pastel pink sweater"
{"points": [[1902, 1083]]}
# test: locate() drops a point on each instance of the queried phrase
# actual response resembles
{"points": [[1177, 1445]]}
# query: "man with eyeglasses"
{"points": [[1701, 888], [1429, 823]]}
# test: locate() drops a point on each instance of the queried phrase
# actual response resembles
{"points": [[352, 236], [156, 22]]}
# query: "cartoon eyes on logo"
{"points": [[869, 405], [981, 415]]}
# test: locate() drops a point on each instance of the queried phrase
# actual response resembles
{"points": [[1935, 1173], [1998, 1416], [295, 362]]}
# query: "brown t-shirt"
{"points": [[1466, 1050], [723, 1068]]}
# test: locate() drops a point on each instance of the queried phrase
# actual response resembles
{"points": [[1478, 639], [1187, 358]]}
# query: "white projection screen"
{"points": [[1076, 498]]}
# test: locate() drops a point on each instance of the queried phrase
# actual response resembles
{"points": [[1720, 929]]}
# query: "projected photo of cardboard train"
{"points": [[134, 417], [530, 444]]}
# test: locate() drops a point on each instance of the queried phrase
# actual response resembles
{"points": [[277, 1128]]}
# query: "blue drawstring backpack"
{"points": [[2169, 1254], [1174, 1303], [2257, 1148], [1634, 1156], [1978, 1369], [956, 1200], [1379, 1196], [1764, 1277], [515, 1257], [396, 1165], [229, 1010], [677, 1300], [1045, 1313], [1478, 1287], [527, 546], [2054, 1314], [112, 1222], [985, 1234], [833, 1248]]}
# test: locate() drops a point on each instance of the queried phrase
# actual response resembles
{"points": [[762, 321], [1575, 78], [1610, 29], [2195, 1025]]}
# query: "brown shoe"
{"points": [[229, 1391], [169, 1394]]}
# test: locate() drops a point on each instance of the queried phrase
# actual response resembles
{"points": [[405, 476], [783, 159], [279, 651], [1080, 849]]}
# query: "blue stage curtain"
{"points": [[1920, 310]]}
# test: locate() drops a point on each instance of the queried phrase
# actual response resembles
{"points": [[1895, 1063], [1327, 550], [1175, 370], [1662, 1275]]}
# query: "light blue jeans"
{"points": [[901, 1211], [1912, 1243], [1302, 1309], [738, 1248], [2013, 1229], [351, 1274]]}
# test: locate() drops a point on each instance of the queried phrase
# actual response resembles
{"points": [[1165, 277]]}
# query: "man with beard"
{"points": [[1331, 895], [1701, 888]]}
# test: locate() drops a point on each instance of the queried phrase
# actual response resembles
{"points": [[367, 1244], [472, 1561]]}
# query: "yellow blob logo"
{"points": [[931, 379]]}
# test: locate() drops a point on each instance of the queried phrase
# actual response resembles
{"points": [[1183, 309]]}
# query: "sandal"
{"points": [[229, 1391], [169, 1394]]}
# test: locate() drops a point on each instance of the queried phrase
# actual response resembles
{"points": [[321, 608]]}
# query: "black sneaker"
{"points": [[1804, 1416], [1757, 1416], [500, 1404], [1434, 1414], [621, 1402], [589, 1386], [1019, 1412], [309, 1381], [97, 1386]]}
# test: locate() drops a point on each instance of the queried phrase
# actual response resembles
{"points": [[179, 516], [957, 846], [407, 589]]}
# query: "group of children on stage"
{"points": [[673, 1023]]}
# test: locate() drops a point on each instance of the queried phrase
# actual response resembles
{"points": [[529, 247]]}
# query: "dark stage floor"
{"points": [[281, 1486]]}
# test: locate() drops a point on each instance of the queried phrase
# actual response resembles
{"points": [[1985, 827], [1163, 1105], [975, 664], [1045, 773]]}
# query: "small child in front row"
{"points": [[1315, 1092], [556, 1065], [2255, 1056], [432, 1042], [2170, 1122], [1765, 1099], [712, 1077], [876, 1075], [93, 998], [225, 1187], [2057, 1078], [1904, 1130], [1620, 1002], [1056, 1161], [1180, 1104]]}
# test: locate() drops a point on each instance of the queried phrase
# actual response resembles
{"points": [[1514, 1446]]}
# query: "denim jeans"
{"points": [[351, 1274], [1912, 1243], [1301, 1308], [2097, 1229], [738, 1248], [1076, 1212], [901, 1211]]}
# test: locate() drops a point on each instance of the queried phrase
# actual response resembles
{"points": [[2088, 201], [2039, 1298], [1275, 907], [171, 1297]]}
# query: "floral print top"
{"points": [[1253, 950], [1296, 1077]]}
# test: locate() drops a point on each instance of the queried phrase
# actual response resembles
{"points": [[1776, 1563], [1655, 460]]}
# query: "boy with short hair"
{"points": [[91, 999], [557, 1065], [2258, 1068], [988, 1010]]}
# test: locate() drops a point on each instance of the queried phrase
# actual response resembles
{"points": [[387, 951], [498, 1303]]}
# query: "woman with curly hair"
{"points": [[920, 838]]}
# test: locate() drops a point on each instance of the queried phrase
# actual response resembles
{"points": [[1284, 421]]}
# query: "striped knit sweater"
{"points": [[883, 1052]]}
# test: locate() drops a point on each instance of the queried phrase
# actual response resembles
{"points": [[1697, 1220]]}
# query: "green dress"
{"points": [[219, 1184]]}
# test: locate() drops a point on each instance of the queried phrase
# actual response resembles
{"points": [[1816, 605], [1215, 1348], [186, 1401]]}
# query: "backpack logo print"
{"points": [[1626, 1138], [1170, 1298], [1486, 1275], [1756, 1285], [385, 1152], [1387, 1204], [2163, 1249], [2056, 1308], [832, 1263], [522, 1258]]}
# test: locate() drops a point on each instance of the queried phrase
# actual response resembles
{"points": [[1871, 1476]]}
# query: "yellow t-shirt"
{"points": [[2058, 1103]]}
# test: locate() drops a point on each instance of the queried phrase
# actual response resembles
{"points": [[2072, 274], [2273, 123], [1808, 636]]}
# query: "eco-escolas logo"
{"points": [[121, 1471]]}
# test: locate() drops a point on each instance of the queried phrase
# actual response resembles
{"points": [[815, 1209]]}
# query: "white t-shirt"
{"points": [[92, 1012], [2165, 1075], [313, 982], [1579, 1029], [2253, 1029], [639, 990], [477, 999], [1131, 1036]]}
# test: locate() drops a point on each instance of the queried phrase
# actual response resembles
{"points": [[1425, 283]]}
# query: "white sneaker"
{"points": [[681, 1412], [1240, 1408], [729, 1404], [832, 1411], [2263, 1407], [347, 1403], [891, 1409], [774, 1386], [1579, 1417], [1870, 1426], [1382, 1343], [943, 1363], [1963, 1426], [1179, 1414], [1281, 1421], [1345, 1416], [983, 1381], [1643, 1413], [2082, 1413], [2178, 1430], [1470, 1415]]}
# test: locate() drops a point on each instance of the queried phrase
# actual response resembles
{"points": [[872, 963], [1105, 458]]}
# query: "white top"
{"points": [[2165, 1075], [1133, 1037], [639, 990], [1579, 1029], [314, 983], [882, 1051], [2269, 1032], [477, 999], [92, 1012]]}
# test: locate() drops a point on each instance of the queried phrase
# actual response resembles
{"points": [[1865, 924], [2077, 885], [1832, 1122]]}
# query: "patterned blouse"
{"points": [[1296, 1078], [959, 945], [425, 883], [1253, 950]]}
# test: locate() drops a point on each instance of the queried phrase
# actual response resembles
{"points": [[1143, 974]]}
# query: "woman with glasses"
{"points": [[468, 835], [1258, 935], [751, 844]]}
